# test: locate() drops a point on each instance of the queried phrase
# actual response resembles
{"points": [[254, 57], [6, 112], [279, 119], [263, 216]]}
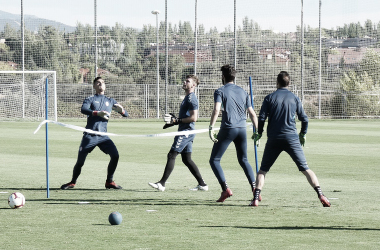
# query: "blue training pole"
{"points": [[46, 137], [253, 106]]}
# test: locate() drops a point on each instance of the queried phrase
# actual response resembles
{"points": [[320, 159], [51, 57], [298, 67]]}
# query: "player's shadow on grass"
{"points": [[300, 228], [19, 188], [158, 201], [76, 189], [136, 202]]}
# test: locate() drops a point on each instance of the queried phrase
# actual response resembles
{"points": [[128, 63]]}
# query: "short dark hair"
{"points": [[194, 77], [96, 79], [283, 79], [228, 72]]}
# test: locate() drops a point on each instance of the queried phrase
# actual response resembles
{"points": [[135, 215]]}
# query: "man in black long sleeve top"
{"points": [[281, 108]]}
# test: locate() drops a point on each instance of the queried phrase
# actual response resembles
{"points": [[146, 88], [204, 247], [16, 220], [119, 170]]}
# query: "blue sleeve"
{"points": [[193, 104], [115, 102], [262, 116], [248, 101], [86, 106], [302, 117], [218, 96]]}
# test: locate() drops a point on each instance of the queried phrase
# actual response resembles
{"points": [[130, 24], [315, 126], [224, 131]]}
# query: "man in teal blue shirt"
{"points": [[234, 103], [183, 144], [98, 109]]}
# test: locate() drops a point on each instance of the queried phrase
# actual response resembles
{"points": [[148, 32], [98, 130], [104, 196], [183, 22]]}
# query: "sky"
{"points": [[283, 16]]}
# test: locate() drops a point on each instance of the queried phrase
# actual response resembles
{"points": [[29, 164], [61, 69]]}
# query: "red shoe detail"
{"points": [[325, 202], [254, 203], [225, 195], [112, 185], [68, 185]]}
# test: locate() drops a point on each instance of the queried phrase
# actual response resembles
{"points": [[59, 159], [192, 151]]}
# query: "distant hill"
{"points": [[32, 23]]}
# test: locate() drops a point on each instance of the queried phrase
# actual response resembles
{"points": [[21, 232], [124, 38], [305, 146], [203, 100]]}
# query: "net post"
{"points": [[55, 95], [253, 106], [47, 137]]}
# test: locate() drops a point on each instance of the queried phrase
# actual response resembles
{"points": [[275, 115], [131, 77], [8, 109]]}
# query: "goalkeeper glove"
{"points": [[171, 120], [103, 114], [256, 138], [118, 108], [302, 139], [212, 134]]}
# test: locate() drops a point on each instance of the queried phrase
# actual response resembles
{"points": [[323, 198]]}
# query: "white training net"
{"points": [[23, 95], [333, 61]]}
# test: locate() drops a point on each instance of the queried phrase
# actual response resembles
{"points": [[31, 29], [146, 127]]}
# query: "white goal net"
{"points": [[23, 95]]}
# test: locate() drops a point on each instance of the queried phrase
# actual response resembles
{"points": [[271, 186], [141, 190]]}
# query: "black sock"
{"points": [[76, 172], [82, 155], [223, 185], [256, 195], [318, 190], [186, 159], [112, 167], [203, 184], [253, 185], [169, 167]]}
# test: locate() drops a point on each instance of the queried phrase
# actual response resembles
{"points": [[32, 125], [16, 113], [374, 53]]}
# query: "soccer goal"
{"points": [[23, 95]]}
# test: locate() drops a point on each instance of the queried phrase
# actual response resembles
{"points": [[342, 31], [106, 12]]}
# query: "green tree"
{"points": [[144, 38], [352, 31], [371, 65], [185, 32], [368, 28], [358, 89], [356, 82], [117, 32], [5, 53], [176, 68], [9, 32], [5, 66], [84, 34]]}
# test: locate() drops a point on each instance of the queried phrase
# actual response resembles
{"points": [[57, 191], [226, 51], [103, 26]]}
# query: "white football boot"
{"points": [[200, 188], [157, 186]]}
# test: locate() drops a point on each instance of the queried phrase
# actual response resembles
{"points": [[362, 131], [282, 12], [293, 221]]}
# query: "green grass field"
{"points": [[343, 153]]}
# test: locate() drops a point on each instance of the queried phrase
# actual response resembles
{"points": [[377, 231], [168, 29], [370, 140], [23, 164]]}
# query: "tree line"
{"points": [[126, 54]]}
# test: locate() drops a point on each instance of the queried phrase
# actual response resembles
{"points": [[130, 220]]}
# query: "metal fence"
{"points": [[335, 71], [140, 100]]}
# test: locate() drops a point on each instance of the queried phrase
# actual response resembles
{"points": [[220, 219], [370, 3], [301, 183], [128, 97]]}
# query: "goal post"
{"points": [[23, 93]]}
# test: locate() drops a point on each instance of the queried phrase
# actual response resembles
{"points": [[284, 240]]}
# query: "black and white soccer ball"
{"points": [[16, 200]]}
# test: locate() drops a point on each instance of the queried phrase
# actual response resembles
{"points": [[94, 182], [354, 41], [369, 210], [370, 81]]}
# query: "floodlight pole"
{"points": [[302, 52], [166, 57], [156, 12], [96, 39], [320, 61], [196, 38], [235, 37]]}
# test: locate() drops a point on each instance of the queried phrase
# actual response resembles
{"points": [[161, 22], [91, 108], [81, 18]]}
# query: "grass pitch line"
{"points": [[189, 132]]}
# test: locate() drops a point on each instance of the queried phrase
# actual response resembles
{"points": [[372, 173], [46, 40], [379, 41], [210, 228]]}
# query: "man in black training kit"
{"points": [[281, 108], [183, 144], [98, 109]]}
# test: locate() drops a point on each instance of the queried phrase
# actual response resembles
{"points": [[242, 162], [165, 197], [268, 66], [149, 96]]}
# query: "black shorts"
{"points": [[105, 144], [273, 149]]}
